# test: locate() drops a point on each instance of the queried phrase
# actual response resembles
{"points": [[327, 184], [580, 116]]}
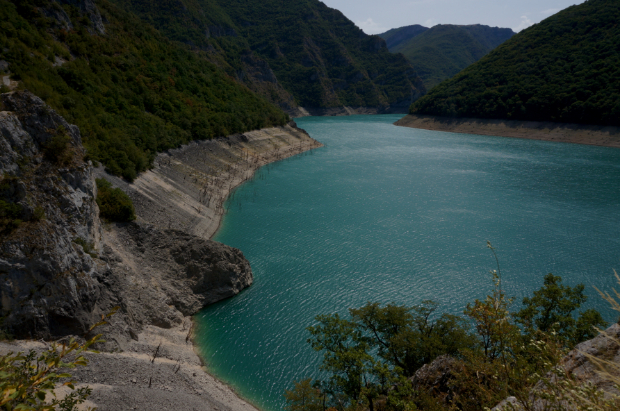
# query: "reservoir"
{"points": [[391, 214]]}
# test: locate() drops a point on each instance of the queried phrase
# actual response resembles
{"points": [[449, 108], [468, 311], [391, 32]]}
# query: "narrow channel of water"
{"points": [[392, 214]]}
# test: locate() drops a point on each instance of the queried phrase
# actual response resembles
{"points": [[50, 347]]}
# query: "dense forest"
{"points": [[442, 51], [132, 91], [564, 69], [315, 52]]}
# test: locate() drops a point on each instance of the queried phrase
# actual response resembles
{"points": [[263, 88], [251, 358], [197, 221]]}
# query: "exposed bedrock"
{"points": [[61, 269]]}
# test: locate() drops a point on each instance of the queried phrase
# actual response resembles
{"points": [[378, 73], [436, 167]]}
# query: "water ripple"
{"points": [[391, 214]]}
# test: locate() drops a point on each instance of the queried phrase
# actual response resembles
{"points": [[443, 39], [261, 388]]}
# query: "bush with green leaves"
{"points": [[369, 358], [28, 380], [10, 216], [58, 148], [114, 204]]}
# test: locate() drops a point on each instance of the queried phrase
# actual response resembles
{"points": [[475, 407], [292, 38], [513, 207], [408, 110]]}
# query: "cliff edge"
{"points": [[61, 269]]}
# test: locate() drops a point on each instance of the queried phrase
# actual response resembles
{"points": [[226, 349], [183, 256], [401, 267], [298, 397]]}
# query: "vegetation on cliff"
{"points": [[442, 51], [316, 53], [131, 91], [376, 358], [114, 204], [564, 69]]}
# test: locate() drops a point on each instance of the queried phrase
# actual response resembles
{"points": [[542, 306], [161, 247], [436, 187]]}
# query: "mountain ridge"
{"points": [[444, 50], [316, 54], [564, 69]]}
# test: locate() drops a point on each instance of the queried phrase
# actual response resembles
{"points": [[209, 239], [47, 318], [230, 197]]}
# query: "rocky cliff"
{"points": [[61, 269]]}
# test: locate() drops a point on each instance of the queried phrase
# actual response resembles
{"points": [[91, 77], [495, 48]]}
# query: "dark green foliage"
{"points": [[316, 53], [10, 216], [370, 358], [395, 37], [314, 49], [443, 50], [38, 214], [114, 204], [409, 337], [57, 149], [564, 69], [403, 338], [551, 309], [131, 91]]}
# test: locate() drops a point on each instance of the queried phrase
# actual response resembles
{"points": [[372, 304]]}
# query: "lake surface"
{"points": [[390, 214]]}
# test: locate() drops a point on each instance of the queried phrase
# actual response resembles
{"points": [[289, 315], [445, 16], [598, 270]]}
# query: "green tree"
{"points": [[304, 397], [552, 308], [27, 381], [354, 371], [409, 337]]}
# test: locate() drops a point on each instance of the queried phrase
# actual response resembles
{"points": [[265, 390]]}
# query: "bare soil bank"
{"points": [[187, 187], [131, 380], [606, 136]]}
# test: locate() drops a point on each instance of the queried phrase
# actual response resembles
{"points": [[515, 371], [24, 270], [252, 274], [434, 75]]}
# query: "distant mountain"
{"points": [[395, 37], [442, 51], [293, 52], [564, 69]]}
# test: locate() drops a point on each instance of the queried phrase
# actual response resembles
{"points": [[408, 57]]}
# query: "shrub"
{"points": [[38, 214], [114, 204], [10, 214], [88, 248], [27, 380], [57, 150]]}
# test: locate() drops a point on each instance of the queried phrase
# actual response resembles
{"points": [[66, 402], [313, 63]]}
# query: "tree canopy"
{"points": [[564, 69]]}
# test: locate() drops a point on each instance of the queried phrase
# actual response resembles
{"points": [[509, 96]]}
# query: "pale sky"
{"points": [[378, 16]]}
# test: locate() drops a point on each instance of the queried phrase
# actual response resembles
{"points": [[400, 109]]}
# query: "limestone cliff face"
{"points": [[60, 269]]}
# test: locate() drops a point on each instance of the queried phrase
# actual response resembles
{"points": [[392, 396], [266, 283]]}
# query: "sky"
{"points": [[378, 16]]}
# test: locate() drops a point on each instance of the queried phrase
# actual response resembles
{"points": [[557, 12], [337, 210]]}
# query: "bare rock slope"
{"points": [[61, 269]]}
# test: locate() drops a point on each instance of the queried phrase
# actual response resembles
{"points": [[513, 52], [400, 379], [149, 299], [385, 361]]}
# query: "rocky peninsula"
{"points": [[607, 136], [62, 268]]}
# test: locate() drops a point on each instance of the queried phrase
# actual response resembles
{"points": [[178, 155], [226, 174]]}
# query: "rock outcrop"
{"points": [[60, 269], [436, 378], [578, 365]]}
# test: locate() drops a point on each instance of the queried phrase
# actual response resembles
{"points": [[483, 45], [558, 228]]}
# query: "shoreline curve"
{"points": [[604, 136]]}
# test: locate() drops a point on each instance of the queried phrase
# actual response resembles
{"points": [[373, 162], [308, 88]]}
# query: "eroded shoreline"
{"points": [[605, 136], [186, 190], [159, 367], [187, 187]]}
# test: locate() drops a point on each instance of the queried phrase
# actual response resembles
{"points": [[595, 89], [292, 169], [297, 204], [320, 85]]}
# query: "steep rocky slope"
{"points": [[60, 270]]}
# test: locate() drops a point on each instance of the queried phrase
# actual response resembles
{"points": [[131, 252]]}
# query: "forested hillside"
{"points": [[395, 37], [315, 52], [564, 69], [131, 91], [442, 51]]}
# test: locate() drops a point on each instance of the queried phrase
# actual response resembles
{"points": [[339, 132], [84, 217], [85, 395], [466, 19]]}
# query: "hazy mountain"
{"points": [[442, 51]]}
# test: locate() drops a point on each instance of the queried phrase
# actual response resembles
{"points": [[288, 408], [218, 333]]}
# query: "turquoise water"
{"points": [[391, 214]]}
